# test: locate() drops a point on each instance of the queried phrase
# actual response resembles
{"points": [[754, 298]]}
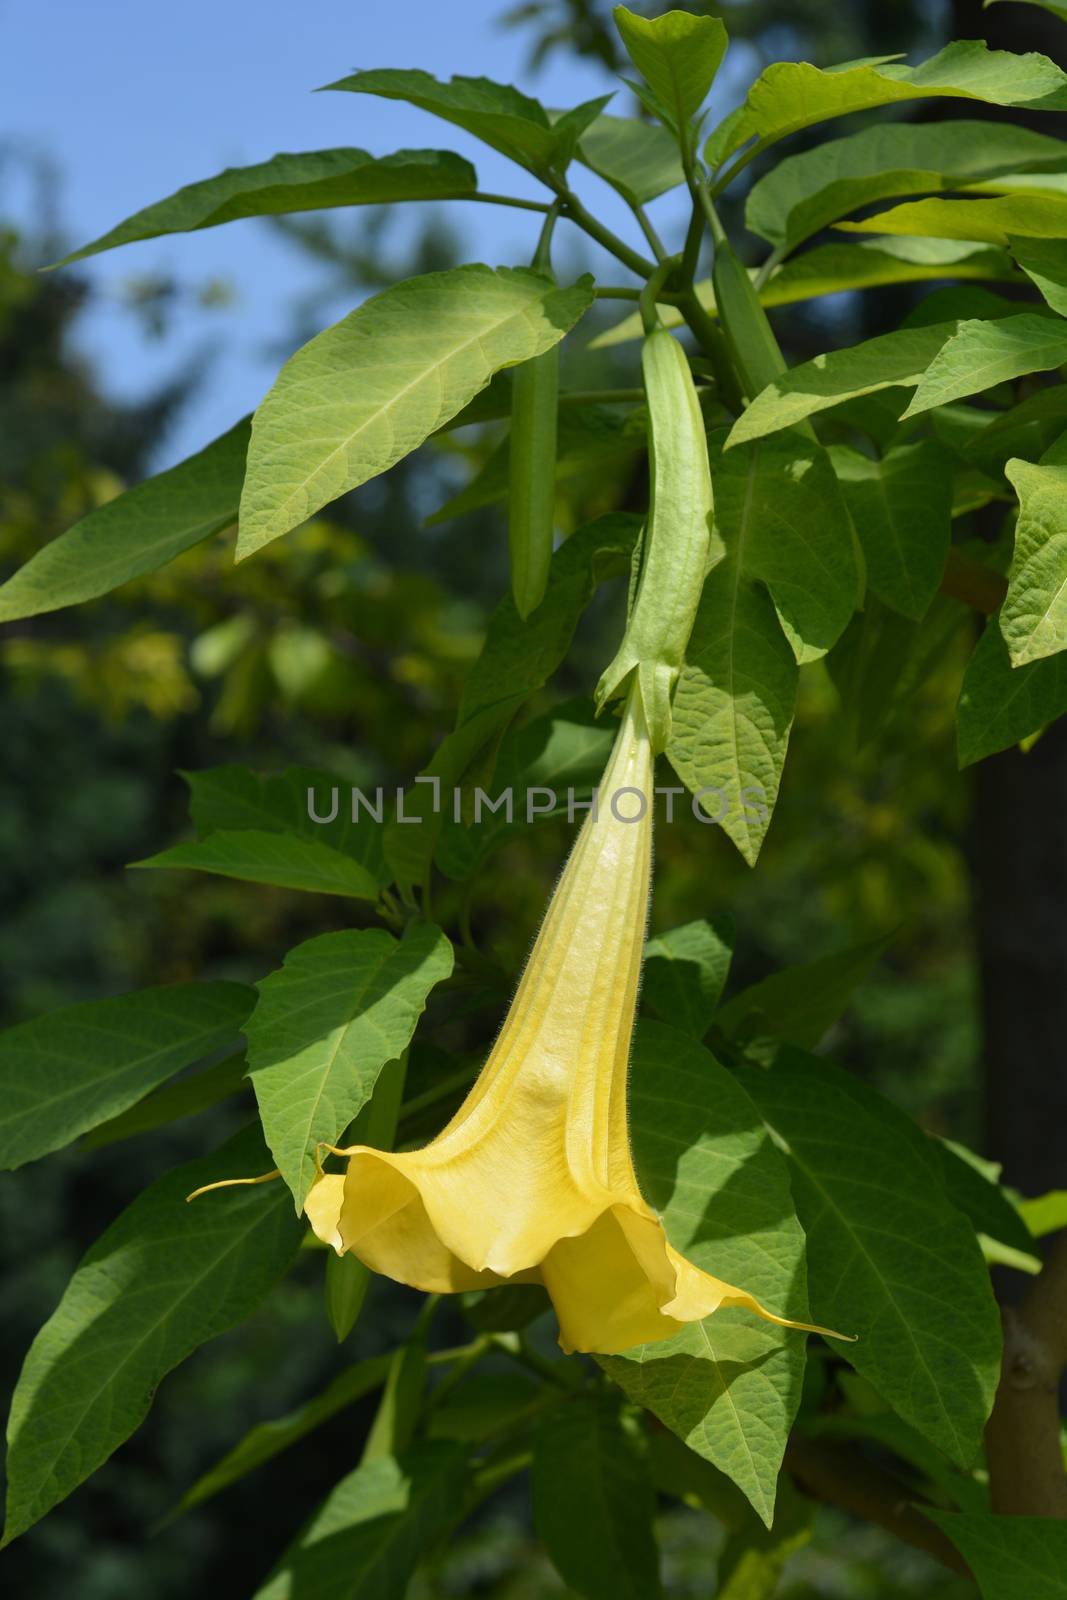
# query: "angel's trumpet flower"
{"points": [[532, 1180]]}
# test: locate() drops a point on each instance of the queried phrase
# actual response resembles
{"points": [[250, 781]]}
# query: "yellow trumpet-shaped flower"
{"points": [[532, 1180]]}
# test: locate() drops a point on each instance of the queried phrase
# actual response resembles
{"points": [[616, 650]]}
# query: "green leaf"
{"points": [[65, 1072], [232, 798], [974, 1188], [980, 354], [677, 54], [162, 1280], [185, 1098], [366, 392], [781, 517], [268, 1439], [255, 856], [882, 659], [639, 159], [729, 1386], [367, 1537], [1033, 618], [593, 1502], [800, 1004], [499, 115], [1043, 261], [1000, 705], [564, 750], [793, 94], [401, 1400], [1045, 1213], [901, 508], [685, 970], [890, 1258], [880, 363], [516, 659], [1010, 1556], [137, 532], [596, 437], [484, 1405], [313, 180], [347, 1281], [733, 707], [342, 1005], [806, 192], [1039, 216], [1026, 430], [1055, 6]]}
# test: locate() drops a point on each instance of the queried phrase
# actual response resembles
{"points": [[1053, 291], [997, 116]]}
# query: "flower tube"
{"points": [[532, 1181]]}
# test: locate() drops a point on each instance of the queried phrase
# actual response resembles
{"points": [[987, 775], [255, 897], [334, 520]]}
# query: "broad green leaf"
{"points": [[1045, 263], [974, 1188], [1011, 1557], [65, 1072], [268, 1439], [368, 1536], [733, 707], [802, 1003], [890, 1259], [793, 94], [401, 1401], [312, 180], [880, 363], [484, 1405], [1033, 618], [1026, 430], [588, 437], [593, 1502], [1038, 216], [780, 515], [901, 508], [806, 192], [639, 159], [685, 970], [1000, 705], [369, 390], [516, 659], [300, 800], [540, 763], [677, 54], [882, 659], [1045, 1213], [185, 1098], [342, 1005], [163, 1279], [834, 268], [347, 1281], [729, 1386], [1057, 7], [494, 112], [980, 354], [137, 532], [255, 856]]}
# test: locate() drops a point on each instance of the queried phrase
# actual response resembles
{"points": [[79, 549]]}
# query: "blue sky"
{"points": [[132, 98]]}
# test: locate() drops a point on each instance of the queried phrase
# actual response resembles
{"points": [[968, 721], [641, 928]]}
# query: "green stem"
{"points": [[502, 200], [691, 250], [710, 337], [766, 267], [600, 397], [542, 256], [576, 212], [649, 294], [440, 1091], [702, 196], [644, 222]]}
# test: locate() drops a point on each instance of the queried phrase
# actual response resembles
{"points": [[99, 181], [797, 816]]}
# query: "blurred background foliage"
{"points": [[344, 648]]}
